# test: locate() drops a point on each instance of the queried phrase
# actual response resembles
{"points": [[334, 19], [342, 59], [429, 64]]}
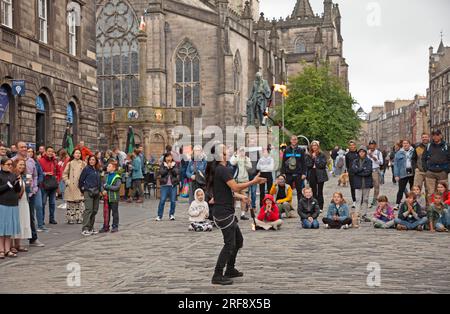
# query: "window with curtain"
{"points": [[7, 13], [43, 20], [117, 56], [187, 76]]}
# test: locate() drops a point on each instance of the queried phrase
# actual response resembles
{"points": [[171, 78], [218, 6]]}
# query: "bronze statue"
{"points": [[257, 102]]}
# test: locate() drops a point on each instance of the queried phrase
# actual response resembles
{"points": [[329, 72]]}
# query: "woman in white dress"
{"points": [[24, 209]]}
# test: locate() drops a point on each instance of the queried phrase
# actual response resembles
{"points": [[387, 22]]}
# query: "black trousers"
{"points": [[333, 224], [233, 241], [297, 181], [34, 236], [393, 177], [114, 209], [316, 187], [351, 178], [402, 187], [265, 188]]}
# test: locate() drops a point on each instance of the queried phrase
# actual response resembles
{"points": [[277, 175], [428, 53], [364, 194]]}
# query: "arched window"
{"points": [[72, 119], [41, 125], [187, 76], [299, 46], [6, 114], [117, 55], [237, 83]]}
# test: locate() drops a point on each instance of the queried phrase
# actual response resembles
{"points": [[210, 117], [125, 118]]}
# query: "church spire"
{"points": [[302, 9], [441, 45]]}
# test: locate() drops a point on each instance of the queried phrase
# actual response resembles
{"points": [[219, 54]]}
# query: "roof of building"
{"points": [[302, 9]]}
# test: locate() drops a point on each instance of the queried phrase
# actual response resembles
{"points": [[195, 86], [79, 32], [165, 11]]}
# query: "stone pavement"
{"points": [[163, 257]]}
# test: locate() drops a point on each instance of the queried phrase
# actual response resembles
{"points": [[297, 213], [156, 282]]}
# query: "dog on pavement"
{"points": [[343, 179]]}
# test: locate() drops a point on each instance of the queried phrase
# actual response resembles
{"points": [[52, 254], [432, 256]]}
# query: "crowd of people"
{"points": [[29, 180]]}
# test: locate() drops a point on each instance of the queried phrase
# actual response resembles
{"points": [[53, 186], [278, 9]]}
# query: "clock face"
{"points": [[133, 115]]}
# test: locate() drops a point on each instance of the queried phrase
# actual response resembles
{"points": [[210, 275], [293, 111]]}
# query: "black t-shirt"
{"points": [[223, 196], [281, 193]]}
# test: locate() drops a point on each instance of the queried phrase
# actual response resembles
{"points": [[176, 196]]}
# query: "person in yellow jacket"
{"points": [[282, 192]]}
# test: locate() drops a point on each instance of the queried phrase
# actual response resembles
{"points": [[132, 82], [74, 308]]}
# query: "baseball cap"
{"points": [[436, 132]]}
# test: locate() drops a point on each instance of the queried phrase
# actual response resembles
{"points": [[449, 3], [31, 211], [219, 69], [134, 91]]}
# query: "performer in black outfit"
{"points": [[221, 183]]}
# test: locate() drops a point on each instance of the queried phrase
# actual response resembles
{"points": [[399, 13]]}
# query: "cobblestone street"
{"points": [[163, 257]]}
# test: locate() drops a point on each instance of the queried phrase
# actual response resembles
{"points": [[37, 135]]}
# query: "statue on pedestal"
{"points": [[257, 102]]}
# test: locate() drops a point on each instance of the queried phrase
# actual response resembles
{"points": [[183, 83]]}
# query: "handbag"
{"points": [[185, 189], [50, 183], [199, 176]]}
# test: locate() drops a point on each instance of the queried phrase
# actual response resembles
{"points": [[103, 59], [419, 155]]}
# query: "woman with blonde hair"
{"points": [[316, 163]]}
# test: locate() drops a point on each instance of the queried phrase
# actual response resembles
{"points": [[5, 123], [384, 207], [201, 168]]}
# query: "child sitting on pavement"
{"points": [[384, 215], [308, 210], [338, 216], [420, 198], [438, 214], [199, 213], [269, 215], [411, 216]]}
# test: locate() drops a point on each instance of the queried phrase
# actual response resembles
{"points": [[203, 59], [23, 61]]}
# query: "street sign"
{"points": [[18, 87]]}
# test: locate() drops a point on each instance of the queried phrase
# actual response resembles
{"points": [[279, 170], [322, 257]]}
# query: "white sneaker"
{"points": [[86, 233], [354, 205], [172, 217], [93, 231], [63, 206], [344, 227], [158, 218], [326, 226]]}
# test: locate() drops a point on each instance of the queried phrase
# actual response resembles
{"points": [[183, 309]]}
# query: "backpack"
{"points": [[340, 162], [292, 163]]}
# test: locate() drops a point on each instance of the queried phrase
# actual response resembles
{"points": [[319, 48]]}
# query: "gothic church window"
{"points": [[187, 76], [299, 46], [237, 83], [117, 55]]}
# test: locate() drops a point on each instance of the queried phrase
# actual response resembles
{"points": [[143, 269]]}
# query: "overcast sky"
{"points": [[387, 52]]}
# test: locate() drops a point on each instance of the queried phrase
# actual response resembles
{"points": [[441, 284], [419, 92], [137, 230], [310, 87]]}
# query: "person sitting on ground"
{"points": [[442, 188], [308, 210], [338, 216], [282, 193], [199, 213], [411, 216], [269, 216], [420, 198], [438, 215], [384, 214]]}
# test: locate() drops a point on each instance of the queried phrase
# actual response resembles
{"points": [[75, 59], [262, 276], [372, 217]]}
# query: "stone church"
{"points": [[162, 63]]}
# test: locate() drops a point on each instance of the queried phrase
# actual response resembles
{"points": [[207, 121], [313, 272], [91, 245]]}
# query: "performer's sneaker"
{"points": [[234, 273], [243, 217], [221, 280]]}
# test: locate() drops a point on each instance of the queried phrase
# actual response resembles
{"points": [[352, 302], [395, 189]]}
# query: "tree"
{"points": [[320, 108]]}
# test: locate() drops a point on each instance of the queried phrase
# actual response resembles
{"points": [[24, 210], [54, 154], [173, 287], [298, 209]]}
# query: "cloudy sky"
{"points": [[385, 43]]}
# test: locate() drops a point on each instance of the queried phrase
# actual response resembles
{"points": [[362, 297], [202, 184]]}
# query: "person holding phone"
{"points": [[404, 165]]}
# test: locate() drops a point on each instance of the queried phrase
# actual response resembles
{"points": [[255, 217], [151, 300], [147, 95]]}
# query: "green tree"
{"points": [[320, 108]]}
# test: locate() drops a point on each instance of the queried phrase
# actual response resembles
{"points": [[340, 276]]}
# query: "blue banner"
{"points": [[4, 102], [18, 87]]}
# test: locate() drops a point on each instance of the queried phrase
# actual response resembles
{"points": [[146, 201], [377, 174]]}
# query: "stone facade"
{"points": [[52, 74], [230, 42], [397, 120], [311, 38], [439, 89]]}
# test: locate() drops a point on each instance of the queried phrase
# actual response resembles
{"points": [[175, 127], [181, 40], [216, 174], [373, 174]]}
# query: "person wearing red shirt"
{"points": [[269, 215], [85, 152], [442, 189], [50, 168], [63, 160]]}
